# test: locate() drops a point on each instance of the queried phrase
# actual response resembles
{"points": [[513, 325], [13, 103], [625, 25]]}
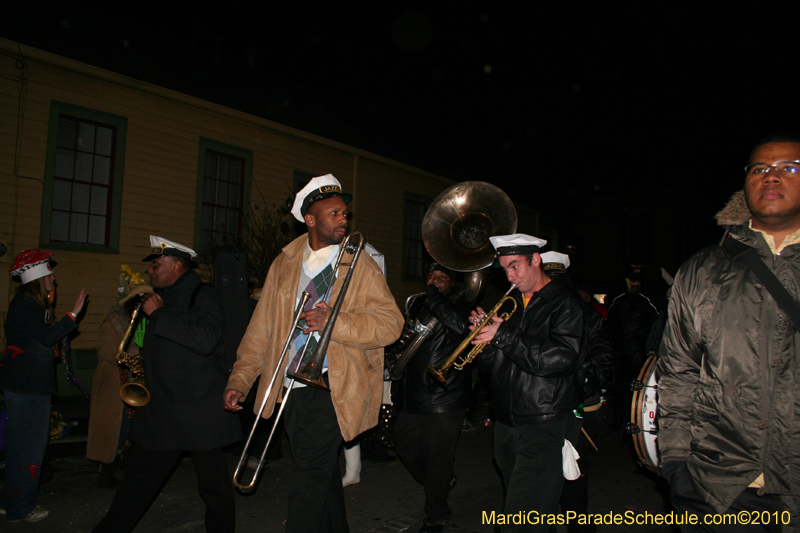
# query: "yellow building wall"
{"points": [[164, 129]]}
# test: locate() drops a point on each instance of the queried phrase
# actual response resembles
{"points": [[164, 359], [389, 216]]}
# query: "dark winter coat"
{"points": [[535, 355], [728, 374], [28, 366], [418, 391], [597, 371], [630, 318], [184, 372]]}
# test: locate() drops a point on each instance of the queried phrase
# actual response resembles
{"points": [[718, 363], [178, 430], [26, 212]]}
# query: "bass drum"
{"points": [[644, 415]]}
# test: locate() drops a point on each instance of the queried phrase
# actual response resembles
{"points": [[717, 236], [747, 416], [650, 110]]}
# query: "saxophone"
{"points": [[134, 393]]}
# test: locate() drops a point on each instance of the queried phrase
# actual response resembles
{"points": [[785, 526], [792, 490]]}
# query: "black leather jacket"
{"points": [[534, 357], [417, 391]]}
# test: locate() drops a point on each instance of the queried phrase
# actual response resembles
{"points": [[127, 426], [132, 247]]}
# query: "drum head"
{"points": [[644, 413]]}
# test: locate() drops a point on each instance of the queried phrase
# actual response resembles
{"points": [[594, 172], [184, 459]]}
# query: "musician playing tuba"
{"points": [[431, 413], [317, 420], [532, 360]]}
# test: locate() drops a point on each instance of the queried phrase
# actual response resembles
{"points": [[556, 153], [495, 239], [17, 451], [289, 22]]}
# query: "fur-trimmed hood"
{"points": [[735, 212]]}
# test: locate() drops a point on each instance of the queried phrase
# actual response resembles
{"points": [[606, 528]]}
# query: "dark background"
{"points": [[626, 126]]}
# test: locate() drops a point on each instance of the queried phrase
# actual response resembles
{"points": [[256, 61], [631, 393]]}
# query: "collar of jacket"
{"points": [[557, 288], [734, 217], [189, 278]]}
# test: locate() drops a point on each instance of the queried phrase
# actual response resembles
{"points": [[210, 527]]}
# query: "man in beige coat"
{"points": [[316, 420]]}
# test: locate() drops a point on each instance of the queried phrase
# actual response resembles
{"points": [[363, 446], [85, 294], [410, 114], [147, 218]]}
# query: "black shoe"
{"points": [[433, 526]]}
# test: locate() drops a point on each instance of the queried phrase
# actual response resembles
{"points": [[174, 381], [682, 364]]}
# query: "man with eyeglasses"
{"points": [[729, 382]]}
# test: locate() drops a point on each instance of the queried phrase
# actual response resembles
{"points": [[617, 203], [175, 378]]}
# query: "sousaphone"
{"points": [[457, 226]]}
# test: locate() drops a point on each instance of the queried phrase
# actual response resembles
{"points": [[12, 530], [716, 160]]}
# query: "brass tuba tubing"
{"points": [[243, 458], [311, 373], [440, 372]]}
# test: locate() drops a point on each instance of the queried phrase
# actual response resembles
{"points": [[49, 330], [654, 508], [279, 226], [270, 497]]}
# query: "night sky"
{"points": [[556, 104]]}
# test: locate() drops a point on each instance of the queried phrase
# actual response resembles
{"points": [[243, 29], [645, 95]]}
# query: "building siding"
{"points": [[159, 181]]}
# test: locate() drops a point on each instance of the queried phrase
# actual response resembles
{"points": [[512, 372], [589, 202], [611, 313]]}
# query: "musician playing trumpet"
{"points": [[317, 420], [532, 360]]}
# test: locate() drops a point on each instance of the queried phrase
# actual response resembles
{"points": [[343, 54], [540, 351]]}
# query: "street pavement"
{"points": [[386, 500]]}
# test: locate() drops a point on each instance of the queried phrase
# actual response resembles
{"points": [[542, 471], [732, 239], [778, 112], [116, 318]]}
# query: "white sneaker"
{"points": [[37, 514]]}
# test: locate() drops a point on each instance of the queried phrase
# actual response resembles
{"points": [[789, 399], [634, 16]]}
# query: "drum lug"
{"points": [[636, 385], [632, 429]]}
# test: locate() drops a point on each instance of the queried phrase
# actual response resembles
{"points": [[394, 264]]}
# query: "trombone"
{"points": [[440, 372], [311, 372]]}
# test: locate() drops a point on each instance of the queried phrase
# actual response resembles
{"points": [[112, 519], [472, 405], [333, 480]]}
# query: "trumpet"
{"points": [[134, 393], [440, 372]]}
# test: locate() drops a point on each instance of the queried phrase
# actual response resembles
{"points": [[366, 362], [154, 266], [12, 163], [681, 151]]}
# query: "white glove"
{"points": [[569, 459]]}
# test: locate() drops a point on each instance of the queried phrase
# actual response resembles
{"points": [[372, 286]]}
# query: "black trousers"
{"points": [[426, 443], [575, 494], [529, 458], [316, 496], [146, 471], [685, 499]]}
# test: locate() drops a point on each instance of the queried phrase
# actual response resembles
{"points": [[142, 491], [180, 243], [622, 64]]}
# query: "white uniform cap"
{"points": [[558, 260], [517, 244], [318, 188], [161, 247]]}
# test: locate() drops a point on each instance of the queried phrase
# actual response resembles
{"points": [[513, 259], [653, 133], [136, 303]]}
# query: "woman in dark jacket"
{"points": [[28, 379]]}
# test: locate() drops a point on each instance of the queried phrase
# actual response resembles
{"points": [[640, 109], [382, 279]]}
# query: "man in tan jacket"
{"points": [[316, 421]]}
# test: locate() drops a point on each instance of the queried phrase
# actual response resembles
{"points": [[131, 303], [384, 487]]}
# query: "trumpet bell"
{"points": [[135, 393], [457, 226]]}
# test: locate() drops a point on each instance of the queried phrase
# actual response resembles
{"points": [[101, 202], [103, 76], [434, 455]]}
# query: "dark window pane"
{"points": [[224, 166], [86, 137], [207, 218], [102, 169], [233, 196], [222, 193], [62, 194], [80, 198], [235, 172], [79, 224], [83, 167], [97, 230], [99, 203], [65, 163], [105, 141]]}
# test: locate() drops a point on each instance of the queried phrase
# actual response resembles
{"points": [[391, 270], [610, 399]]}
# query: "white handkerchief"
{"points": [[569, 459]]}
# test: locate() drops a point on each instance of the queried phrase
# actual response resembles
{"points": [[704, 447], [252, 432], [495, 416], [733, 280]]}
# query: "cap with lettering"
{"points": [[554, 263], [318, 188]]}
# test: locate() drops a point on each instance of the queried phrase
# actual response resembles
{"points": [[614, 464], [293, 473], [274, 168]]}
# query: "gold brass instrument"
{"points": [[457, 226], [243, 458], [441, 371], [134, 393], [311, 373], [416, 333], [456, 230]]}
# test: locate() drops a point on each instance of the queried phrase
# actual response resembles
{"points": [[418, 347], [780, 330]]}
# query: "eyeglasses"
{"points": [[784, 168]]}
